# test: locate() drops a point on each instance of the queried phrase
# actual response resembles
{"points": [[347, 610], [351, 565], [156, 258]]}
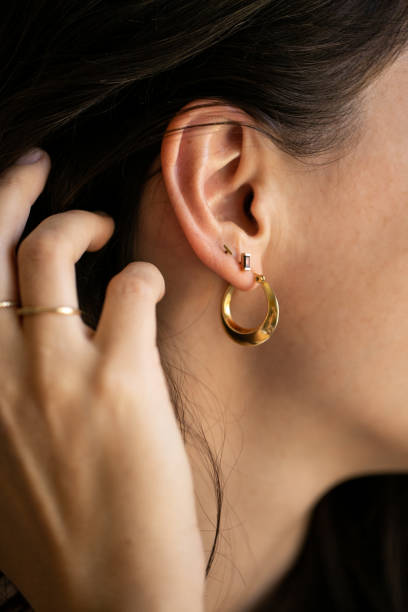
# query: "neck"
{"points": [[280, 437], [279, 449]]}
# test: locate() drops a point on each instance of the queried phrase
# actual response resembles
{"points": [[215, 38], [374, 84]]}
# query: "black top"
{"points": [[11, 600]]}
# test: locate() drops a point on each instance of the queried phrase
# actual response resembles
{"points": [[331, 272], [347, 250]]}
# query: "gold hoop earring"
{"points": [[258, 335]]}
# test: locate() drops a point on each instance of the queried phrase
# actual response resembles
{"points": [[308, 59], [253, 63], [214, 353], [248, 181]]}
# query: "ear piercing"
{"points": [[245, 261], [245, 258]]}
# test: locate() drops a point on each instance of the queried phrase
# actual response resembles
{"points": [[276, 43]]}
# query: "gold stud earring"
{"points": [[258, 335]]}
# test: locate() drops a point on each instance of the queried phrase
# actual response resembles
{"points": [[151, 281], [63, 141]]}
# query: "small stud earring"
{"points": [[245, 261]]}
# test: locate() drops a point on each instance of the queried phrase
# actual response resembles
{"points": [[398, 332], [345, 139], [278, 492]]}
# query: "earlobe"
{"points": [[209, 170]]}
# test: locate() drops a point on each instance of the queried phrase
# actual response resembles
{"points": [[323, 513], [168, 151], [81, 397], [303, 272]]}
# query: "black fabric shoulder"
{"points": [[11, 600]]}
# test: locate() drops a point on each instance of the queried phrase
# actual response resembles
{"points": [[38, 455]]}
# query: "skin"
{"points": [[324, 400], [88, 452], [321, 402]]}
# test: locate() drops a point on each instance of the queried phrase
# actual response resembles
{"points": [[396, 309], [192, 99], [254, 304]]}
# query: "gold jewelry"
{"points": [[8, 304], [259, 334], [64, 310]]}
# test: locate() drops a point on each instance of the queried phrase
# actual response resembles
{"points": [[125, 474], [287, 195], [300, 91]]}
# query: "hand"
{"points": [[97, 506]]}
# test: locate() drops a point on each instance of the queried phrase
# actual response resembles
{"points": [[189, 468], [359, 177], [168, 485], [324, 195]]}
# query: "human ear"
{"points": [[211, 171]]}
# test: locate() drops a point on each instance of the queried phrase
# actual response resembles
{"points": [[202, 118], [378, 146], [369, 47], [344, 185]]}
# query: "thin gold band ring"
{"points": [[8, 304], [63, 310]]}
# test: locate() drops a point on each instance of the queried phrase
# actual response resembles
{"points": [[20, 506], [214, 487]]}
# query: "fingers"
{"points": [[46, 268], [20, 186], [127, 326]]}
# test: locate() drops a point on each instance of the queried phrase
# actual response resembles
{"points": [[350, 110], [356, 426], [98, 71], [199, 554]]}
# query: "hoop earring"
{"points": [[258, 335]]}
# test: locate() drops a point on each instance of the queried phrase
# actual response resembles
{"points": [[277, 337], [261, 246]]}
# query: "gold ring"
{"points": [[64, 310], [8, 304]]}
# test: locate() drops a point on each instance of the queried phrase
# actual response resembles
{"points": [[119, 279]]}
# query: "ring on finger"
{"points": [[8, 304], [64, 310]]}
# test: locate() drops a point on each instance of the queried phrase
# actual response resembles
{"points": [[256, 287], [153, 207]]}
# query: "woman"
{"points": [[231, 145]]}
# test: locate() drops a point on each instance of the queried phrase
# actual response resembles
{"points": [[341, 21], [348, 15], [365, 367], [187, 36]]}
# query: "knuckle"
{"points": [[130, 283], [41, 245], [51, 391], [13, 183], [106, 381], [49, 388], [112, 384]]}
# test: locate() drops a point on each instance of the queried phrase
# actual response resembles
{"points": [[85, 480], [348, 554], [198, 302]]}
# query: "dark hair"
{"points": [[96, 82]]}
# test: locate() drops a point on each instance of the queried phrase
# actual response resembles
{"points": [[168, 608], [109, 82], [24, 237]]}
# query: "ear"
{"points": [[214, 180]]}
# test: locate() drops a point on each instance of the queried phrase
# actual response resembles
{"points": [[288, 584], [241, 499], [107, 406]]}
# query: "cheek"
{"points": [[346, 303]]}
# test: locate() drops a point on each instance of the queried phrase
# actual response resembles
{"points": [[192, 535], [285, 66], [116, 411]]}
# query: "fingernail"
{"points": [[31, 157]]}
